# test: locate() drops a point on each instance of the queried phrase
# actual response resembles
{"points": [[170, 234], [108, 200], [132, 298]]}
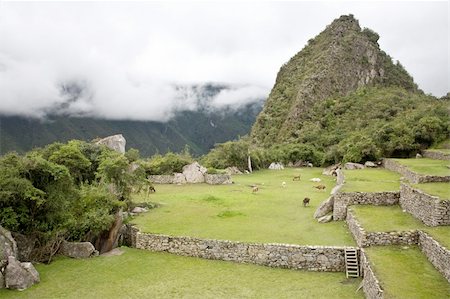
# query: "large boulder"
{"points": [[179, 178], [233, 170], [331, 170], [353, 166], [325, 208], [8, 246], [20, 275], [25, 245], [336, 189], [276, 166], [78, 249], [194, 173], [370, 164], [115, 142], [218, 179], [325, 219], [2, 281]]}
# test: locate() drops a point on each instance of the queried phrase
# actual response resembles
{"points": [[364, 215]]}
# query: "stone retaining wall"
{"points": [[313, 258], [412, 176], [371, 286], [429, 209], [437, 254], [344, 199], [366, 239], [178, 178], [436, 155]]}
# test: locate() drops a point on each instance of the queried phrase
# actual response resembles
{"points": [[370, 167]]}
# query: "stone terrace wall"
{"points": [[371, 286], [344, 199], [313, 258], [212, 179], [366, 239], [429, 209], [436, 155], [437, 254], [412, 176]]}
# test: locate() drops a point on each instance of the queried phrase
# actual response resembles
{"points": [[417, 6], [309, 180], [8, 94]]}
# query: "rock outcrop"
{"points": [[276, 166], [77, 249], [353, 166], [115, 142], [19, 275], [194, 173], [325, 208], [233, 170]]}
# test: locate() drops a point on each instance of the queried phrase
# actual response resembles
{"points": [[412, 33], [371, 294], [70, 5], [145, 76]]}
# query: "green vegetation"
{"points": [[371, 180], [441, 150], [233, 212], [144, 274], [427, 166], [441, 190], [392, 218], [64, 191], [167, 164], [406, 273]]}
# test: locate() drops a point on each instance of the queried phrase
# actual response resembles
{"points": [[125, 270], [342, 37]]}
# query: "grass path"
{"points": [[426, 166], [371, 180], [145, 274], [273, 215]]}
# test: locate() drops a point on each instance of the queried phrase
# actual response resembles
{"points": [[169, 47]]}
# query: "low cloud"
{"points": [[143, 60]]}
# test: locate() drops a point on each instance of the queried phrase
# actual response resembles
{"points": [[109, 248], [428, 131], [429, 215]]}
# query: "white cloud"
{"points": [[132, 57]]}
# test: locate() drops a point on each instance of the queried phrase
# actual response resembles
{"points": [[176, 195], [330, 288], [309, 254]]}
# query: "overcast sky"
{"points": [[129, 56]]}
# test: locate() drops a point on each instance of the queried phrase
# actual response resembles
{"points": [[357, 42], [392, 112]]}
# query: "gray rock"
{"points": [[370, 164], [115, 142], [336, 189], [325, 208], [138, 210], [233, 170], [331, 170], [2, 281], [20, 275], [78, 249], [276, 166], [353, 166], [194, 173], [179, 178], [218, 179], [418, 156], [161, 179], [325, 219], [8, 246]]}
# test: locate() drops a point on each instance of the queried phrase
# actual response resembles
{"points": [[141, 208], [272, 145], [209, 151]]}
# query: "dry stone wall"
{"points": [[437, 254], [429, 209], [412, 176], [436, 155], [313, 258], [366, 239], [371, 286], [344, 199]]}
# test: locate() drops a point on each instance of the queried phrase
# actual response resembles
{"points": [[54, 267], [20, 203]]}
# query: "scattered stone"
{"points": [[370, 164], [418, 156], [325, 208], [194, 173], [20, 275], [78, 249], [331, 170], [232, 170], [115, 142], [353, 166], [309, 165], [276, 166], [218, 179], [138, 210]]}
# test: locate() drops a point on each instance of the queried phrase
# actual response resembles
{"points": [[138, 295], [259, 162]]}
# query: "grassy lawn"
{"points": [[392, 218], [441, 190], [145, 274], [272, 215], [406, 273], [371, 180], [426, 166], [442, 150]]}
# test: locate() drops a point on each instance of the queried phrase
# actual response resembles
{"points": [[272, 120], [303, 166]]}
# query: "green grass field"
{"points": [[406, 273], [272, 215], [426, 166], [442, 150], [392, 218], [371, 180], [145, 274], [441, 190]]}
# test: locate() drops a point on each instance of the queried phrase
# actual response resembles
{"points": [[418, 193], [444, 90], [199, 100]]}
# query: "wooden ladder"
{"points": [[351, 263]]}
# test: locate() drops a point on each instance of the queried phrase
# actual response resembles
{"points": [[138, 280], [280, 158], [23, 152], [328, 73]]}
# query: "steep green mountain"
{"points": [[199, 129], [335, 63]]}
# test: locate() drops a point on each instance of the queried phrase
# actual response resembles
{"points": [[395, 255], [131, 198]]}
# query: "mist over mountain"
{"points": [[201, 116]]}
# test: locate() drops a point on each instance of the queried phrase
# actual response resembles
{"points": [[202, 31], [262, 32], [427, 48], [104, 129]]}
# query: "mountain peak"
{"points": [[339, 60]]}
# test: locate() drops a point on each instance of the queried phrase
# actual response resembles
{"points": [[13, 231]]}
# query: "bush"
{"points": [[167, 164]]}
